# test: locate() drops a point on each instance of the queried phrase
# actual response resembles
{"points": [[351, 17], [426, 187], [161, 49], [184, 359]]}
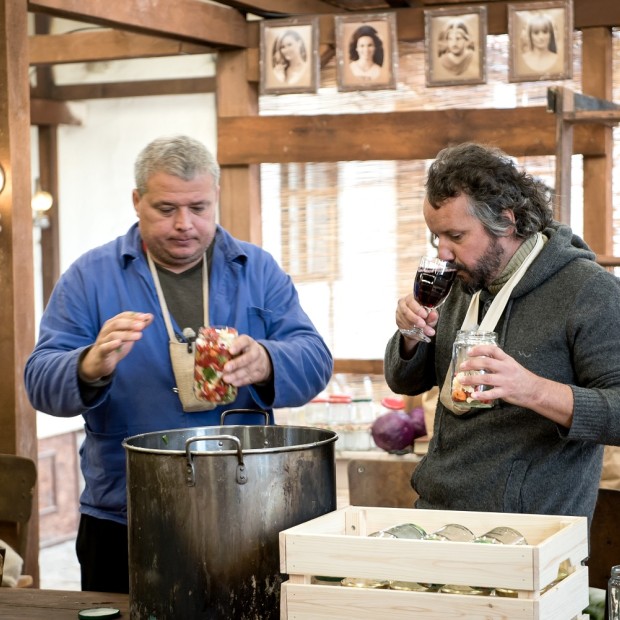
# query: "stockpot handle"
{"points": [[190, 476], [225, 413]]}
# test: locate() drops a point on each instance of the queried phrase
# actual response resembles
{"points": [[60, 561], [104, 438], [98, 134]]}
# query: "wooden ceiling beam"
{"points": [[101, 45], [282, 8], [141, 88], [391, 136], [187, 20], [596, 13]]}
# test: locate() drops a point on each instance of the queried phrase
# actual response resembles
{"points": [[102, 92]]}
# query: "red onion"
{"points": [[393, 431], [419, 425]]}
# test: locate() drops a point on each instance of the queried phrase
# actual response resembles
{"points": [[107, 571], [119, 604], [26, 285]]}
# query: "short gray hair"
{"points": [[180, 156]]}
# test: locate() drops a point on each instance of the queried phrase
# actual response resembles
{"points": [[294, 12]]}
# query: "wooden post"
{"points": [[17, 417], [240, 206], [597, 170], [563, 102]]}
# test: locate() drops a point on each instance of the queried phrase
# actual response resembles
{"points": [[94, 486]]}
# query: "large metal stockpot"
{"points": [[205, 507]]}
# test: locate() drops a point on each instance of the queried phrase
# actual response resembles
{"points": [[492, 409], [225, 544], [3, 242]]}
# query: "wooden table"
{"points": [[31, 604]]}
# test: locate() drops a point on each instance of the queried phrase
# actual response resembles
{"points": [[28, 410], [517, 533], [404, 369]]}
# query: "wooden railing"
{"points": [[608, 261], [359, 367]]}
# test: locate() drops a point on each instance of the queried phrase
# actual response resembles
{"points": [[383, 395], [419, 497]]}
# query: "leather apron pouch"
{"points": [[182, 359]]}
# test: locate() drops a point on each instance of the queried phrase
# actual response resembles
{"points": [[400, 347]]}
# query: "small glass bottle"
{"points": [[461, 394], [613, 594]]}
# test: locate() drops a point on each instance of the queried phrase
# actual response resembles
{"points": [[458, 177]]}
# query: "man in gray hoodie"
{"points": [[555, 375]]}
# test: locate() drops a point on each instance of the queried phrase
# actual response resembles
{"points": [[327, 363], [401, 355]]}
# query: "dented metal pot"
{"points": [[205, 508]]}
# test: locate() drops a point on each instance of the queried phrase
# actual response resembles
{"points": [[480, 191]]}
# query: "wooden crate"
{"points": [[337, 545]]}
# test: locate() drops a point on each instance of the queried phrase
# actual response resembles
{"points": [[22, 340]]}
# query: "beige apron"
{"points": [[182, 353], [489, 321]]}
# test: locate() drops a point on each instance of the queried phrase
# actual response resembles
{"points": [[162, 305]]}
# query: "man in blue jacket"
{"points": [[114, 318]]}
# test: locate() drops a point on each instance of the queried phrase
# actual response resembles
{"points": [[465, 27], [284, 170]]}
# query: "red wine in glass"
{"points": [[431, 286]]}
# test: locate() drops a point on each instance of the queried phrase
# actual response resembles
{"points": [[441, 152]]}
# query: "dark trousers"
{"points": [[102, 550]]}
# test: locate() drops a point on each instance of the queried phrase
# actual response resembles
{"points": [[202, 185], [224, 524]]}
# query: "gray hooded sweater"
{"points": [[562, 322]]}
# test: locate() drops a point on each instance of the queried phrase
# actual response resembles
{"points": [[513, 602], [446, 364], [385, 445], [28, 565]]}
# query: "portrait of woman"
{"points": [[539, 47], [540, 50], [455, 46], [366, 51], [289, 56]]}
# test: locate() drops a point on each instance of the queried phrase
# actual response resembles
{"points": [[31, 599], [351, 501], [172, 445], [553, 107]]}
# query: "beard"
{"points": [[485, 270]]}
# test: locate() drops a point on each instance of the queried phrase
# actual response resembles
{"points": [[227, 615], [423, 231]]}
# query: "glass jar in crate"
{"points": [[212, 353]]}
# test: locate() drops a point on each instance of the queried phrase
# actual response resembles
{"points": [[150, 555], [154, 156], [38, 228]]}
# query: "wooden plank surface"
{"points": [[32, 604]]}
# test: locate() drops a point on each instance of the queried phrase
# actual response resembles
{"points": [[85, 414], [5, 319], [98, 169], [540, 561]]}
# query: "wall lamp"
{"points": [[42, 202]]}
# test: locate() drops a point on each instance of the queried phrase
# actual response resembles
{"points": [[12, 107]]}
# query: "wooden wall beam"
{"points": [[186, 20], [142, 88], [192, 20], [18, 432], [49, 112], [57, 49], [596, 13], [391, 136]]}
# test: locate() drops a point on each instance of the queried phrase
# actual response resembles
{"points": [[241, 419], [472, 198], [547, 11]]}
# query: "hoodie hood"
{"points": [[561, 248]]}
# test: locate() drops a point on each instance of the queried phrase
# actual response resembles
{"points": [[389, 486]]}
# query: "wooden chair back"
{"points": [[604, 538], [18, 476], [381, 482]]}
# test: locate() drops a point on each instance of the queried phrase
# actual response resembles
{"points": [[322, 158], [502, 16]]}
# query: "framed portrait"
{"points": [[289, 56], [366, 51], [455, 46], [541, 35]]}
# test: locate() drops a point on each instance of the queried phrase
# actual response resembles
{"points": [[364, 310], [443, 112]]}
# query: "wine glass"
{"points": [[431, 286]]}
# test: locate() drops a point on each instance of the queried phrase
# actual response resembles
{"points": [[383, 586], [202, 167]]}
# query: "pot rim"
{"points": [[192, 431]]}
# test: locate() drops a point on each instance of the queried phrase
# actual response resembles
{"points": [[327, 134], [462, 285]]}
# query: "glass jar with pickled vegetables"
{"points": [[212, 351]]}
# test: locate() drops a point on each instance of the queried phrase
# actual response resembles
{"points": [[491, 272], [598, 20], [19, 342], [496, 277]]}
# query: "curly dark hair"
{"points": [[492, 184], [366, 31]]}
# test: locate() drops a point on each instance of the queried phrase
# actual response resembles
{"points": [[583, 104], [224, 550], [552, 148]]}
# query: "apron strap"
{"points": [[162, 299]]}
